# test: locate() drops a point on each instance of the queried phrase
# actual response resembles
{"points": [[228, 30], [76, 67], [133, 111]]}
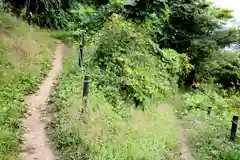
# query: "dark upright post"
{"points": [[28, 11], [83, 37], [209, 110], [29, 17], [80, 60], [85, 91], [234, 128], [81, 49]]}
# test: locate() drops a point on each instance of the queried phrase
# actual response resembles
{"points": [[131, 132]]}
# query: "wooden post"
{"points": [[234, 128], [83, 38], [29, 18], [80, 59], [86, 78], [209, 110], [85, 92], [29, 12], [81, 49]]}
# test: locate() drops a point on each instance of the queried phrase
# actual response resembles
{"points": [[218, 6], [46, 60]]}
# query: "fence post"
{"points": [[81, 49], [85, 92], [234, 128], [29, 18], [80, 58], [83, 37], [209, 110]]}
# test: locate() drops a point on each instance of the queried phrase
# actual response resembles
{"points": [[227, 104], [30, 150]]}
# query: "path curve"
{"points": [[36, 144]]}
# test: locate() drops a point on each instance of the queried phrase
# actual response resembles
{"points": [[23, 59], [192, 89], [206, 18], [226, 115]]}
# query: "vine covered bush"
{"points": [[129, 66]]}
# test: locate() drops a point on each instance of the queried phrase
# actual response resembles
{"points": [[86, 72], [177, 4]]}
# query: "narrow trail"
{"points": [[185, 153], [36, 144]]}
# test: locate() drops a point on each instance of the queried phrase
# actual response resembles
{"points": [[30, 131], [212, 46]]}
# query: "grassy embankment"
{"points": [[25, 57], [129, 134]]}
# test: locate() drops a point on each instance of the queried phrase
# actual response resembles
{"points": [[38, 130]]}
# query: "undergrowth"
{"points": [[25, 57], [126, 134], [209, 135]]}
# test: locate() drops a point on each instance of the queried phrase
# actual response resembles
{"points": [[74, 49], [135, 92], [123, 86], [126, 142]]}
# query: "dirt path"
{"points": [[37, 145], [185, 153]]}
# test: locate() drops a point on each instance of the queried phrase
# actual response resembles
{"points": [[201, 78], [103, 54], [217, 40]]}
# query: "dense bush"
{"points": [[129, 64], [86, 17], [223, 68], [208, 96]]}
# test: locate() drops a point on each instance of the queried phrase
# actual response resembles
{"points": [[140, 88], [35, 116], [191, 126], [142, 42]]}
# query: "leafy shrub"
{"points": [[234, 102], [126, 59], [223, 68], [207, 96], [86, 17]]}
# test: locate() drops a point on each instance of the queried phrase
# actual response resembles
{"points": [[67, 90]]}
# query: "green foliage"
{"points": [[86, 17], [131, 65], [208, 96], [98, 2], [185, 26], [223, 68], [25, 57], [208, 135], [140, 10], [65, 14], [188, 27], [228, 36], [51, 14], [126, 65], [233, 101], [120, 132]]}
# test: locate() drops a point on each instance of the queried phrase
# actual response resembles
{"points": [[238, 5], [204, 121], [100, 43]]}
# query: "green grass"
{"points": [[209, 136], [25, 57], [121, 133]]}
